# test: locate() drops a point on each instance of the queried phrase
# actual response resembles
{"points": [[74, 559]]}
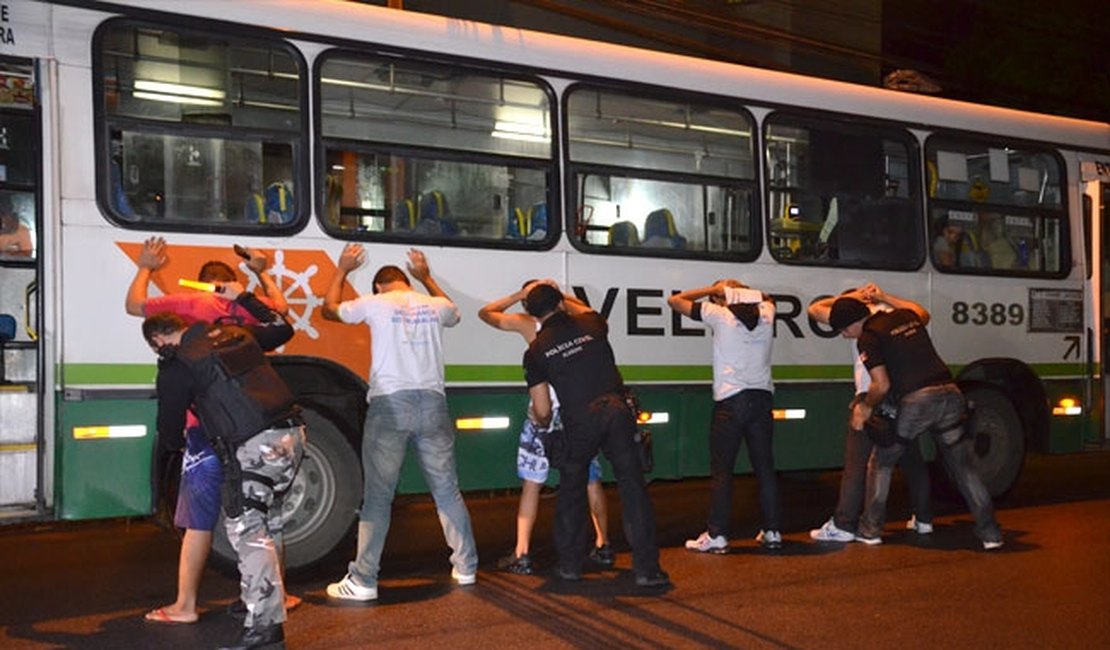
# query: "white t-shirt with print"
{"points": [[741, 357], [406, 338]]}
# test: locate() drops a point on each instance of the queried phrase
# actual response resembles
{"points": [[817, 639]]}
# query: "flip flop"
{"points": [[292, 602], [160, 616]]}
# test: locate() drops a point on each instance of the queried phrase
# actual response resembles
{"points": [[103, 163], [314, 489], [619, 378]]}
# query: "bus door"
{"points": [[1095, 176], [22, 452]]}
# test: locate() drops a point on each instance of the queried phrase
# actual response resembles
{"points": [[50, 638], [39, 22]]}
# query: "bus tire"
{"points": [[321, 506], [997, 439]]}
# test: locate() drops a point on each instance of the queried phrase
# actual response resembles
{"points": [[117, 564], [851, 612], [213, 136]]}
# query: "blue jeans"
{"points": [[940, 411], [393, 422], [745, 416], [606, 424], [853, 481]]}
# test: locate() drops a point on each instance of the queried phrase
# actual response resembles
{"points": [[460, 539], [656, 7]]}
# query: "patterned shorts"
{"points": [[531, 460], [198, 498]]}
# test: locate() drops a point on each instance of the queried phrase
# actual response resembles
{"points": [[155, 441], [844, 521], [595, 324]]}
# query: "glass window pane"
{"points": [[638, 213], [165, 75], [370, 99], [995, 208], [17, 226], [412, 196], [18, 147], [841, 195], [175, 178], [203, 128], [611, 128]]}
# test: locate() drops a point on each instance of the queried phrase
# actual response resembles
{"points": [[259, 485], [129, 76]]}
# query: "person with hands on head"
{"points": [[406, 405], [842, 526], [198, 500], [252, 420], [901, 360], [532, 462], [741, 320]]}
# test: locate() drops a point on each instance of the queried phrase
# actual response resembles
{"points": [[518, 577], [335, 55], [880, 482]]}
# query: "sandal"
{"points": [[159, 615]]}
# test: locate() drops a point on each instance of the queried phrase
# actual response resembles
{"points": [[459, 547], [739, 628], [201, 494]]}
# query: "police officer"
{"points": [[899, 356], [572, 354], [251, 418]]}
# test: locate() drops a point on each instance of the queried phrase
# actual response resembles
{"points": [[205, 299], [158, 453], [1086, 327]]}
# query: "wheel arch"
{"points": [[329, 388], [1021, 386]]}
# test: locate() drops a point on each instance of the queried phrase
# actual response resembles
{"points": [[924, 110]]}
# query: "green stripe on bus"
{"points": [[143, 374]]}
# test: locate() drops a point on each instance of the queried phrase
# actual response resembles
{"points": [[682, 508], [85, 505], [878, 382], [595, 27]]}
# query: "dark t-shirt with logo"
{"points": [[898, 340], [572, 353]]}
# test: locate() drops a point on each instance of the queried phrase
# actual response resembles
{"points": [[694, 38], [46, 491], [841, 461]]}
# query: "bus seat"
{"points": [[404, 215], [119, 197], [660, 232], [624, 233], [528, 224], [435, 215], [273, 206]]}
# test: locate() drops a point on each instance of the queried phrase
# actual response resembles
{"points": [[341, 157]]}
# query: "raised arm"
{"points": [[898, 302], [152, 257], [352, 257], [418, 267], [258, 263], [494, 314], [683, 301]]}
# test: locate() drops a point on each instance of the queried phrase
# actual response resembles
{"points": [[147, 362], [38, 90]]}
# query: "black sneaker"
{"points": [[518, 564], [603, 555], [567, 575], [657, 579]]}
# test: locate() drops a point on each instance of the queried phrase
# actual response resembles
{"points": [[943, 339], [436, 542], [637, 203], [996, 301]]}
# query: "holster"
{"points": [[231, 490]]}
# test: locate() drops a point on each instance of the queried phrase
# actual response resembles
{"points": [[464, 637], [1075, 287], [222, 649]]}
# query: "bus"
{"points": [[505, 154]]}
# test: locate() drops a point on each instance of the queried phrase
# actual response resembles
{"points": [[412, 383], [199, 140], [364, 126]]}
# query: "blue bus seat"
{"points": [[528, 224], [435, 216], [624, 233], [660, 231], [274, 206]]}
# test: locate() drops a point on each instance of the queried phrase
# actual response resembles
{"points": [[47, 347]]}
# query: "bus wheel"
{"points": [[321, 506], [998, 439]]}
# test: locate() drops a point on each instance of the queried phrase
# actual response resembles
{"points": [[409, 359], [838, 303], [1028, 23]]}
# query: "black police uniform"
{"points": [[573, 355]]}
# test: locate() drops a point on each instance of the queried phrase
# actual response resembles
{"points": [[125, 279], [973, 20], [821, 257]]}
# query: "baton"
{"points": [[201, 286]]}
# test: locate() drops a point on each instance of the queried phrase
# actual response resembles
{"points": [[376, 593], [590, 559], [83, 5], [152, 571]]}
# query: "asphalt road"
{"points": [[86, 585]]}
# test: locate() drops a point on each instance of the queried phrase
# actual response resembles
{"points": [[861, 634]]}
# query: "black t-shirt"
{"points": [[572, 353], [898, 340]]}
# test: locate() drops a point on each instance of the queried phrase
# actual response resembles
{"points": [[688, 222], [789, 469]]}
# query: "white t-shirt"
{"points": [[741, 357], [406, 338]]}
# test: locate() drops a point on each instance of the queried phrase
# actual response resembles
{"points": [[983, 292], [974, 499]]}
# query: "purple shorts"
{"points": [[198, 497]]}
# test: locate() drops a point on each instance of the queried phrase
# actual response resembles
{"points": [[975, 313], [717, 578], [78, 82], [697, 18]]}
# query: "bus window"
{"points": [[199, 129], [19, 146], [660, 177], [842, 194], [418, 150], [995, 208]]}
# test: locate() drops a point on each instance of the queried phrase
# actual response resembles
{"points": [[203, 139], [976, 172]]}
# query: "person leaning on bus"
{"points": [[406, 402], [899, 356], [741, 319]]}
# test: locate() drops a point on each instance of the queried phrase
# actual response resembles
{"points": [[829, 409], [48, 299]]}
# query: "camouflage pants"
{"points": [[269, 461]]}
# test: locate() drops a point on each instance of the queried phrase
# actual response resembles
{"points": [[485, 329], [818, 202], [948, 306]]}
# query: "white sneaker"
{"points": [[346, 589], [463, 579], [992, 545], [829, 532], [706, 543], [919, 527], [870, 541], [771, 539]]}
